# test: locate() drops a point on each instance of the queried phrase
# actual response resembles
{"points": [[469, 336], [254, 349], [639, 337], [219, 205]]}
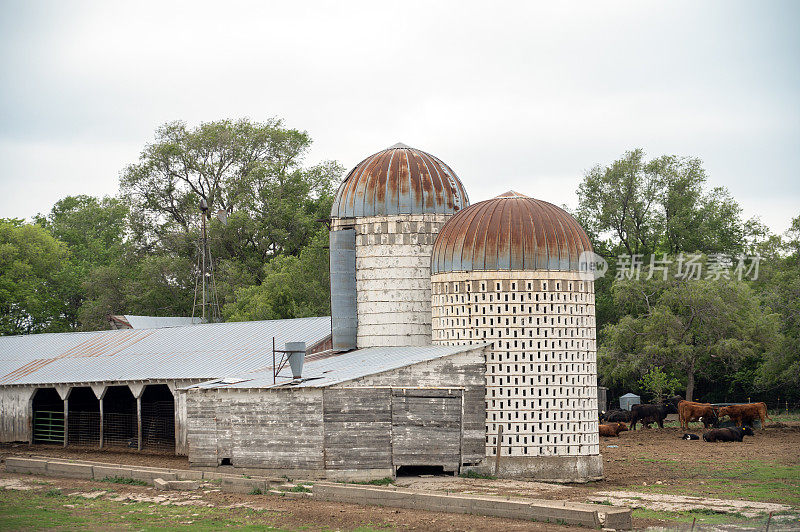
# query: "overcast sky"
{"points": [[523, 96]]}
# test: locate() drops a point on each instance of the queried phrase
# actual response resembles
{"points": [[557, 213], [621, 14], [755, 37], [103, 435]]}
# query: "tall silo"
{"points": [[384, 221], [506, 271]]}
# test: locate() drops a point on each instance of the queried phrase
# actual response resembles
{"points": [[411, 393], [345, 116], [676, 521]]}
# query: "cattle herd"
{"points": [[743, 416]]}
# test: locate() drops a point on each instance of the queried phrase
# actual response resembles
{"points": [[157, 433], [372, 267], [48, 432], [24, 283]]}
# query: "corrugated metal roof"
{"points": [[509, 232], [328, 369], [205, 351], [399, 180], [156, 322]]}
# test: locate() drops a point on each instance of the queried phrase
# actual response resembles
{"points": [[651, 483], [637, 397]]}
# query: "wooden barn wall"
{"points": [[465, 370], [358, 427], [426, 428], [279, 429], [15, 413]]}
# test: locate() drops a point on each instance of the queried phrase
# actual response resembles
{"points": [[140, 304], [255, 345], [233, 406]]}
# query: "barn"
{"points": [[122, 387], [460, 336], [362, 414]]}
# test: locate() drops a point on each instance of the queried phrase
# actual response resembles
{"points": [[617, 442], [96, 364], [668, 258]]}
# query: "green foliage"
{"points": [[474, 474], [39, 281], [256, 491], [658, 384], [691, 328], [300, 489], [293, 287], [125, 480], [376, 482]]}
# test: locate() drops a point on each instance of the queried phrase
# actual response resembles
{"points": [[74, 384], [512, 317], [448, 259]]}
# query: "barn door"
{"points": [[426, 428]]}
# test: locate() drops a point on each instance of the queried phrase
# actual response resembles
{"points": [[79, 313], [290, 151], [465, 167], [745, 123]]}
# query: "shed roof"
{"points": [[204, 351], [155, 322], [326, 369]]}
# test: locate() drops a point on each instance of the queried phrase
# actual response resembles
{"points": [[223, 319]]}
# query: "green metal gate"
{"points": [[48, 426]]}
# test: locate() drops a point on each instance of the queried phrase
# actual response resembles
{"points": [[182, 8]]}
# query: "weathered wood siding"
{"points": [[426, 428], [15, 413], [279, 429], [464, 370], [352, 426], [358, 428]]}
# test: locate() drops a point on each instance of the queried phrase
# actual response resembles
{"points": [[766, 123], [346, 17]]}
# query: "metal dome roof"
{"points": [[399, 180], [509, 232]]}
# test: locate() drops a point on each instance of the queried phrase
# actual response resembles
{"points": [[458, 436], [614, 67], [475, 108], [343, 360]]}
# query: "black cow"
{"points": [[728, 434], [616, 416], [651, 414], [690, 437]]}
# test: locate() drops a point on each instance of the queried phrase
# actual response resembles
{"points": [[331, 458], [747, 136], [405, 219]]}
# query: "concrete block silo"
{"points": [[384, 220], [506, 271]]}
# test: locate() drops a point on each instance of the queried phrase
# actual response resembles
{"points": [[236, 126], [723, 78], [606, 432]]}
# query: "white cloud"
{"points": [[513, 95]]}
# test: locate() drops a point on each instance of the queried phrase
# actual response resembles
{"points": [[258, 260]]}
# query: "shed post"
{"points": [[63, 392], [137, 390], [66, 421], [100, 392], [139, 423], [498, 449]]}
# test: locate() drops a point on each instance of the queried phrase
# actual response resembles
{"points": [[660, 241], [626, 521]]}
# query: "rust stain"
{"points": [[510, 232], [98, 345], [399, 180]]}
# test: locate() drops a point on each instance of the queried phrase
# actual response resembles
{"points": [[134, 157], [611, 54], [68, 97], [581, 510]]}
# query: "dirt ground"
{"points": [[293, 513], [648, 463]]}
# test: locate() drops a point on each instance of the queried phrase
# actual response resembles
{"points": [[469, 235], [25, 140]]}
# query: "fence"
{"points": [[48, 426]]}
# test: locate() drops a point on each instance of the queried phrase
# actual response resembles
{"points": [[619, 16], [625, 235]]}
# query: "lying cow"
{"points": [[746, 414], [616, 416], [647, 414], [689, 411], [729, 434], [690, 437], [612, 429]]}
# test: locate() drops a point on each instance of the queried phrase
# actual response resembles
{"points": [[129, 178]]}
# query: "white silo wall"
{"points": [[542, 369], [393, 277]]}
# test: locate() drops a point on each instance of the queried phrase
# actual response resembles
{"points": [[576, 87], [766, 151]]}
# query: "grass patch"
{"points": [[702, 515], [475, 474], [754, 480], [125, 480], [256, 491], [377, 482], [33, 510], [300, 489], [54, 492]]}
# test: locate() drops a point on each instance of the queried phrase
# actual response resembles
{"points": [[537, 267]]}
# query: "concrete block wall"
{"points": [[542, 369], [393, 271]]}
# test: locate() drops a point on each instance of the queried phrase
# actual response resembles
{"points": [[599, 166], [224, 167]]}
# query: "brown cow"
{"points": [[612, 429], [689, 411], [746, 414]]}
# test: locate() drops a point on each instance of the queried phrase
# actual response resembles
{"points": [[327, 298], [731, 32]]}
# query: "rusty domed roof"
{"points": [[509, 232], [399, 180]]}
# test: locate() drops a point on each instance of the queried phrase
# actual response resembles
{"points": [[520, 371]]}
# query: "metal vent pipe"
{"points": [[296, 352]]}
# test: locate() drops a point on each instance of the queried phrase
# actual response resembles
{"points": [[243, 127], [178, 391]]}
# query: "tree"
{"points": [[658, 384], [93, 229], [37, 280], [251, 174], [779, 286], [635, 206], [251, 167], [293, 287], [688, 327]]}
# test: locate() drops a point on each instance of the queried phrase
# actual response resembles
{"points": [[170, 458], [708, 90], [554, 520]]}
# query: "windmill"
{"points": [[205, 285]]}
